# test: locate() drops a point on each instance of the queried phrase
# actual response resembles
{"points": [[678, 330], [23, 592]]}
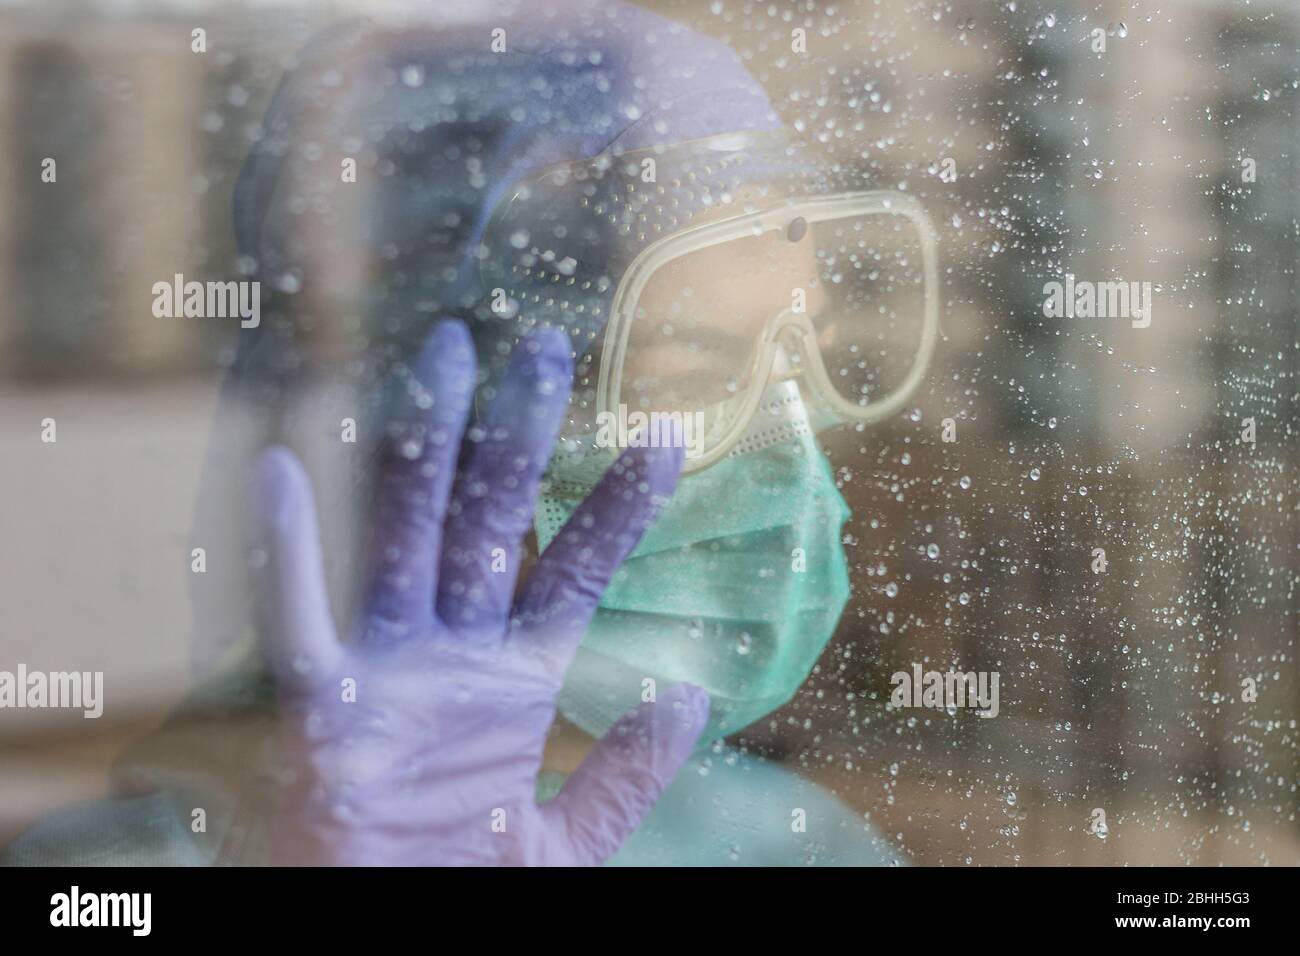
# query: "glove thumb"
{"points": [[623, 776]]}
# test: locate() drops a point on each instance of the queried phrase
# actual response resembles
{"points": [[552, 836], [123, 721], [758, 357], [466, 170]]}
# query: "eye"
{"points": [[797, 229]]}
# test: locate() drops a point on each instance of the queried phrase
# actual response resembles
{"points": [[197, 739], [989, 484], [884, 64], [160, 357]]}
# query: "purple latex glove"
{"points": [[435, 761]]}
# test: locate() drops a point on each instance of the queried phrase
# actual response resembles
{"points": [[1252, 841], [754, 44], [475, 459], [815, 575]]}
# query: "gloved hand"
{"points": [[418, 741]]}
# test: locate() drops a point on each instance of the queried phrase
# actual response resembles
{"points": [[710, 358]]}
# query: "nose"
{"points": [[792, 327]]}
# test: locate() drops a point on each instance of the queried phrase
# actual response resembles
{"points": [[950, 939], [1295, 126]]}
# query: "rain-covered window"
{"points": [[977, 322]]}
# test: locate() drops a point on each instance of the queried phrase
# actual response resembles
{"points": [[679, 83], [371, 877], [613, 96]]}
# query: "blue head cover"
{"points": [[441, 127]]}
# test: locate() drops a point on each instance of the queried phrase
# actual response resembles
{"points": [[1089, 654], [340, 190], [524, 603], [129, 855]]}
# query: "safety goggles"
{"points": [[694, 276]]}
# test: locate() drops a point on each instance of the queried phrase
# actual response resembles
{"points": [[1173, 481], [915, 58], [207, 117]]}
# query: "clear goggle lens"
{"points": [[839, 290]]}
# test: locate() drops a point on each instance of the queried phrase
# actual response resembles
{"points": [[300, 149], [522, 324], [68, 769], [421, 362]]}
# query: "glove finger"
{"points": [[610, 793], [418, 466], [492, 503], [560, 597], [297, 630]]}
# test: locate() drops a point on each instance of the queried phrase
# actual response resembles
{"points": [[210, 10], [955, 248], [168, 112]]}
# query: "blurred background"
{"points": [[1120, 690]]}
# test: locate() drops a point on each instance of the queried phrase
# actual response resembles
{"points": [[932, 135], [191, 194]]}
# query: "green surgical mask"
{"points": [[736, 588]]}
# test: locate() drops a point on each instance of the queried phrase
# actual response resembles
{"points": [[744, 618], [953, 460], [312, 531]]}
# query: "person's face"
{"points": [[698, 320]]}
